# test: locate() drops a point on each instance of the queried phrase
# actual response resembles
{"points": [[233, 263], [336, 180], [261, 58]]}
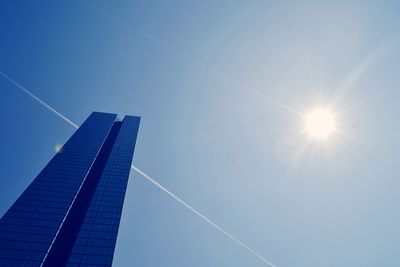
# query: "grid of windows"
{"points": [[30, 225], [96, 240]]}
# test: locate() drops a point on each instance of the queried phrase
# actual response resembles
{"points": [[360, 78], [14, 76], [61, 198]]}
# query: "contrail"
{"points": [[205, 218], [148, 178], [37, 99]]}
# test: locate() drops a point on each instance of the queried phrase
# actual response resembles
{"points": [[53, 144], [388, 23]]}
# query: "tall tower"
{"points": [[70, 214]]}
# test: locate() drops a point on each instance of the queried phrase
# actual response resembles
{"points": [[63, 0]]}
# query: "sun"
{"points": [[320, 123]]}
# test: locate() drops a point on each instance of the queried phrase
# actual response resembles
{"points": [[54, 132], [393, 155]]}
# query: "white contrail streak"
{"points": [[148, 178], [205, 218], [37, 99]]}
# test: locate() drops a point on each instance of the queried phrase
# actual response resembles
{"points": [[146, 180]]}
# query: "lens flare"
{"points": [[58, 148]]}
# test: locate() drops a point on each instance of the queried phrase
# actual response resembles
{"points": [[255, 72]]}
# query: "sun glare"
{"points": [[320, 123]]}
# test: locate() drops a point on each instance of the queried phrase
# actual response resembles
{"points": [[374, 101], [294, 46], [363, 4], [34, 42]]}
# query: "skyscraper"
{"points": [[69, 215]]}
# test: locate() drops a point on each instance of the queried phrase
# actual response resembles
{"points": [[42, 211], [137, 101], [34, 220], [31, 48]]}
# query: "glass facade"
{"points": [[69, 215]]}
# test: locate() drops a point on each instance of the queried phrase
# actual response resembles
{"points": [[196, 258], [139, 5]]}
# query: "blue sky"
{"points": [[216, 84]]}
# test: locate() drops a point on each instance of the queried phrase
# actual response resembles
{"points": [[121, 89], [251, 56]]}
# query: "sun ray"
{"points": [[299, 153], [359, 71]]}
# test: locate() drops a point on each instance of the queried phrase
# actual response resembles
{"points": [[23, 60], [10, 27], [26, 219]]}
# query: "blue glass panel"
{"points": [[30, 225], [96, 240]]}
